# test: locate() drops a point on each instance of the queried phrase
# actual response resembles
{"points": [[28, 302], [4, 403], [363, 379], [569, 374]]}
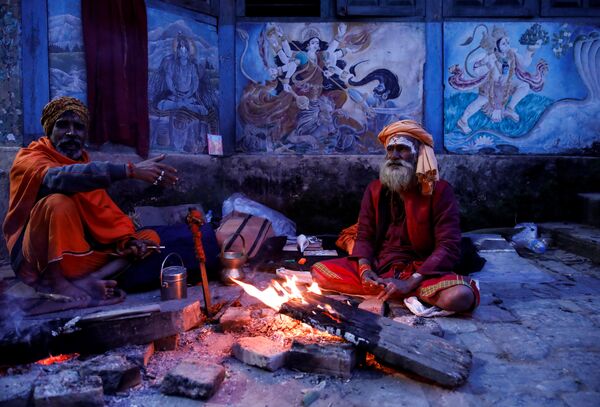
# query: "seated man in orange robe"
{"points": [[408, 234], [64, 233]]}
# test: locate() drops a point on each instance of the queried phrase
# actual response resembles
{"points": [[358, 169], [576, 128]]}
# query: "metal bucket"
{"points": [[173, 280]]}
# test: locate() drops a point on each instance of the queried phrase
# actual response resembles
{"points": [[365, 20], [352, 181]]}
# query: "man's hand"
{"points": [[138, 249], [155, 172], [395, 288], [370, 280], [399, 288]]}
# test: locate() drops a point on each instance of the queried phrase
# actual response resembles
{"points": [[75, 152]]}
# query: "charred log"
{"points": [[392, 343]]}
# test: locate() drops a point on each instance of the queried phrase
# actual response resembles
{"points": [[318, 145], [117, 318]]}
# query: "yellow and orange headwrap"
{"points": [[56, 107], [427, 168]]}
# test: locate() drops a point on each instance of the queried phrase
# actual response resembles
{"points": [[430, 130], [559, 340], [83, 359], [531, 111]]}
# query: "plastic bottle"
{"points": [[536, 246]]}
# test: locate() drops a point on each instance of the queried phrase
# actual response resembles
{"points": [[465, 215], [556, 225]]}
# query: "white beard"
{"points": [[397, 178]]}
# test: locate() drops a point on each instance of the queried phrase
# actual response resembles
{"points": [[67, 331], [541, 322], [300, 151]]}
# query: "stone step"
{"points": [[590, 208], [583, 240]]}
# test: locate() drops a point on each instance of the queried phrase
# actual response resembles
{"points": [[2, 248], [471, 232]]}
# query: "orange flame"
{"points": [[56, 359], [277, 294]]}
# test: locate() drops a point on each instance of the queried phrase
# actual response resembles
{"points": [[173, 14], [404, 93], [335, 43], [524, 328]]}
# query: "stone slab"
{"points": [[166, 343], [422, 324], [583, 240], [374, 305], [118, 374], [46, 333], [196, 380], [509, 267], [492, 313], [335, 359], [17, 390], [260, 351], [235, 319], [137, 354], [68, 388]]}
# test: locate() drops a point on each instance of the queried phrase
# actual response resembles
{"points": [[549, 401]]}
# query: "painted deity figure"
{"points": [[379, 107], [501, 78], [181, 76]]}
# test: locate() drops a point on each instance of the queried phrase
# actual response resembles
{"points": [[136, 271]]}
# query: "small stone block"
{"points": [[138, 354], [195, 380], [68, 388], [260, 351], [335, 359], [117, 373], [166, 343], [373, 305], [235, 319], [15, 391]]}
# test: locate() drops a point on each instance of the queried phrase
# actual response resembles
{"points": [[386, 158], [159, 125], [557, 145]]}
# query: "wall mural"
{"points": [[183, 73], [11, 106], [66, 58], [522, 88], [183, 88], [325, 87]]}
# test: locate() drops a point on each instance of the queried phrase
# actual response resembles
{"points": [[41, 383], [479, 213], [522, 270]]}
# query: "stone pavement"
{"points": [[535, 341]]}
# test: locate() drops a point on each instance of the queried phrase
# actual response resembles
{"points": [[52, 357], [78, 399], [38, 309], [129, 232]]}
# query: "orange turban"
{"points": [[427, 168], [55, 108]]}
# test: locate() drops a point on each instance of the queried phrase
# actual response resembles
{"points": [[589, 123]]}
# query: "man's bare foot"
{"points": [[97, 288], [53, 282]]}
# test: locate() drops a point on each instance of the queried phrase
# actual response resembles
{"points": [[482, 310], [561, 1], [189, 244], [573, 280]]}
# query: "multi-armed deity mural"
{"points": [[521, 88], [325, 87]]}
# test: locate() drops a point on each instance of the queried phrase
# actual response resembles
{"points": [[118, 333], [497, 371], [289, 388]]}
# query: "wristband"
{"points": [[129, 169], [363, 268]]}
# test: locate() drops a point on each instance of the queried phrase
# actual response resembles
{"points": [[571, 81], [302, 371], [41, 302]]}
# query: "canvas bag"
{"points": [[254, 229]]}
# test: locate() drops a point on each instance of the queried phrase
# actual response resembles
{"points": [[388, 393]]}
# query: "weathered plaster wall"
{"points": [[11, 105], [322, 193]]}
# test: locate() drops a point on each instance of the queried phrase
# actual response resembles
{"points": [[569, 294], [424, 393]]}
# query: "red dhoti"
{"points": [[342, 275]]}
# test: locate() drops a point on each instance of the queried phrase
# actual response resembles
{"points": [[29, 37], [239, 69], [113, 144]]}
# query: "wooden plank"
{"points": [[34, 339], [36, 85], [392, 343]]}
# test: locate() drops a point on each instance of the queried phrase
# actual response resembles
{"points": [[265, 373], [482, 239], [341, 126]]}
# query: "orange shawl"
{"points": [[103, 219]]}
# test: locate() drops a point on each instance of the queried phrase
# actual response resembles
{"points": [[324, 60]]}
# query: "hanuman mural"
{"points": [[535, 97], [303, 91]]}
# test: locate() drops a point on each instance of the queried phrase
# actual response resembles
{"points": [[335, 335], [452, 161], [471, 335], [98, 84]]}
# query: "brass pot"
{"points": [[232, 262]]}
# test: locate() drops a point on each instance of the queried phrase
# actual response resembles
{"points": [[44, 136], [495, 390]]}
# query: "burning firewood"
{"points": [[391, 342]]}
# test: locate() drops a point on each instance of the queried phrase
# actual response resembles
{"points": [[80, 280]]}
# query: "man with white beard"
{"points": [[408, 235]]}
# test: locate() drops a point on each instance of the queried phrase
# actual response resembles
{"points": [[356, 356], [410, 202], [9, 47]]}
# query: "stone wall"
{"points": [[322, 193]]}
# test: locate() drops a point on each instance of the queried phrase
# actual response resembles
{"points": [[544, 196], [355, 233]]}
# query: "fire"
{"points": [[56, 359], [276, 294]]}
